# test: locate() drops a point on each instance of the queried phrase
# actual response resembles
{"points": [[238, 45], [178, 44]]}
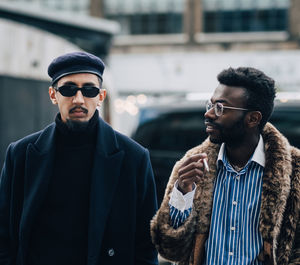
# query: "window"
{"points": [[146, 16], [245, 15]]}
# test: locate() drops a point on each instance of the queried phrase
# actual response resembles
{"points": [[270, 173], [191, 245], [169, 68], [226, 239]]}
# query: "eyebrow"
{"points": [[74, 84], [220, 101]]}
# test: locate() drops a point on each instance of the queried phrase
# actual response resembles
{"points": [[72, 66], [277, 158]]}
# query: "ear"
{"points": [[253, 118], [102, 96], [52, 94]]}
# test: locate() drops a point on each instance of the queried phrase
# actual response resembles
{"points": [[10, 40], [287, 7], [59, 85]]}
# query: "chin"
{"points": [[77, 125], [215, 140], [81, 119]]}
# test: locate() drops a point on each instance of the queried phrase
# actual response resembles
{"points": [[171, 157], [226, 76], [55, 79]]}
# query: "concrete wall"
{"points": [[25, 108], [294, 19]]}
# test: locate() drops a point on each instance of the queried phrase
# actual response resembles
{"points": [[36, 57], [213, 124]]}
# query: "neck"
{"points": [[239, 155]]}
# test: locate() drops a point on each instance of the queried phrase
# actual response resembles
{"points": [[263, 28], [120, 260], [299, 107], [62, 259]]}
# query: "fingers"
{"points": [[194, 158], [191, 171], [190, 179], [192, 163]]}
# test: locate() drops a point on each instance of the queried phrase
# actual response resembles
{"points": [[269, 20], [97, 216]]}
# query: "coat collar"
{"points": [[276, 184], [106, 140], [105, 173], [258, 155]]}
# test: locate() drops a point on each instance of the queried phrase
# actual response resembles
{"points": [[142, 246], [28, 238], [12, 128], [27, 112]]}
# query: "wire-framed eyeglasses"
{"points": [[219, 107]]}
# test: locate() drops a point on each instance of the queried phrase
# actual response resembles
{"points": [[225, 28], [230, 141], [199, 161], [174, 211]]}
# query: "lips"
{"points": [[78, 110], [78, 114], [210, 127]]}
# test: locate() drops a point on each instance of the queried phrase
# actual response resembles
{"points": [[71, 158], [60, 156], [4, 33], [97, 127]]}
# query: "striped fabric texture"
{"points": [[178, 217], [234, 236]]}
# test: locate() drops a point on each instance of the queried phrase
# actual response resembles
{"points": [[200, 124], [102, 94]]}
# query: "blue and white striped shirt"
{"points": [[234, 236]]}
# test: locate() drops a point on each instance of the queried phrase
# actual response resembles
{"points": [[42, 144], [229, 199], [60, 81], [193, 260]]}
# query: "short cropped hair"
{"points": [[260, 89]]}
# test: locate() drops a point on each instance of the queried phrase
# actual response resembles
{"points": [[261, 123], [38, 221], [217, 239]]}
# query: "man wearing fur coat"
{"points": [[234, 199]]}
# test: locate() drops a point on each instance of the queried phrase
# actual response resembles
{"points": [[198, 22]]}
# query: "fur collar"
{"points": [[276, 184]]}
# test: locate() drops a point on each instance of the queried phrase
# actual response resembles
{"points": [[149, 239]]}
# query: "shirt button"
{"points": [[111, 252], [232, 228], [230, 253], [237, 177], [234, 203]]}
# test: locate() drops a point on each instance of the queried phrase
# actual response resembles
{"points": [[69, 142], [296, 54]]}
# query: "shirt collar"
{"points": [[258, 156]]}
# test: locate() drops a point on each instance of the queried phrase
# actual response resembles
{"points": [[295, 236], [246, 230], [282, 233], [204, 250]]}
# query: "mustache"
{"points": [[212, 123], [84, 110]]}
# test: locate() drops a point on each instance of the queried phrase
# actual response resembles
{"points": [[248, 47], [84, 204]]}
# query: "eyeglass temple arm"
{"points": [[226, 107]]}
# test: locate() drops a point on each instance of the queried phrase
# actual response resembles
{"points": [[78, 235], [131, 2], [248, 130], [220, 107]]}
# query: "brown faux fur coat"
{"points": [[280, 207]]}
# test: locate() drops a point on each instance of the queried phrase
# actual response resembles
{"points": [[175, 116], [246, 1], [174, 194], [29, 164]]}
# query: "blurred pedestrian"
{"points": [[77, 192], [243, 206]]}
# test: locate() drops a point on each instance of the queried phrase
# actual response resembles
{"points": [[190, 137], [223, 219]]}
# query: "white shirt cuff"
{"points": [[180, 201]]}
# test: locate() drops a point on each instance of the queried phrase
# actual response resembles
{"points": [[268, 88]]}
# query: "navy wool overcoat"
{"points": [[122, 198]]}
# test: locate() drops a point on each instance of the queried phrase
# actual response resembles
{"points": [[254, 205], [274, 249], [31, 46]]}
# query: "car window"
{"points": [[173, 131], [288, 123]]}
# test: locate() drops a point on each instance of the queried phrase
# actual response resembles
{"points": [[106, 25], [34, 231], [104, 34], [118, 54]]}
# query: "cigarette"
{"points": [[205, 165]]}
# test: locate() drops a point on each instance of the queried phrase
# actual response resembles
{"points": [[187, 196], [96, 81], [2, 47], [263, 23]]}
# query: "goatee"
{"points": [[77, 126]]}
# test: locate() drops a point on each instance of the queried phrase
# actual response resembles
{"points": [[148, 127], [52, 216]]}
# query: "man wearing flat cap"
{"points": [[77, 192]]}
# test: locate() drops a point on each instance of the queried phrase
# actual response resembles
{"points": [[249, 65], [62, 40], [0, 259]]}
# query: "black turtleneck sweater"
{"points": [[60, 232]]}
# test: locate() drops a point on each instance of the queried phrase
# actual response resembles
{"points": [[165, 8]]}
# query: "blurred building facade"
{"points": [[203, 36], [219, 24], [199, 23], [169, 43], [79, 7], [31, 37], [167, 47]]}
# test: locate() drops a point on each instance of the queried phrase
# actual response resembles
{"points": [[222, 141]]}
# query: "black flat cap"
{"points": [[73, 63]]}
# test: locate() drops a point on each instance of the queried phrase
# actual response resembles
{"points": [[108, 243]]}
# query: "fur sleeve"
{"points": [[172, 244], [295, 260], [177, 244], [295, 257]]}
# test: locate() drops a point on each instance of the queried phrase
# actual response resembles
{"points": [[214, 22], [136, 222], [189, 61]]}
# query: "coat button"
{"points": [[111, 252]]}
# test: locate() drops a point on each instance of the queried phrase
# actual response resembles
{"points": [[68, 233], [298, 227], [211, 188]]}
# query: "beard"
{"points": [[77, 126], [232, 135]]}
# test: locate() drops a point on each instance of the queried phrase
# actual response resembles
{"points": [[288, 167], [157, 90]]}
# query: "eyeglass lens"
{"points": [[218, 108], [87, 91]]}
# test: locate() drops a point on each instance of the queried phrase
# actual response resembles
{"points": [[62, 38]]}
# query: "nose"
{"points": [[78, 98], [210, 114]]}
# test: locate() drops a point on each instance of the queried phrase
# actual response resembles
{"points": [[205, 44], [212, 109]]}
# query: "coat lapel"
{"points": [[39, 161], [106, 170], [108, 160], [276, 186]]}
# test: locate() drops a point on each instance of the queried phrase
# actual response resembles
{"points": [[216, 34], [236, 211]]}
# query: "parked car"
{"points": [[168, 130]]}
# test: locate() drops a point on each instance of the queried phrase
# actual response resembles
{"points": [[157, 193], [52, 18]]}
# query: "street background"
{"points": [[153, 49], [157, 52]]}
